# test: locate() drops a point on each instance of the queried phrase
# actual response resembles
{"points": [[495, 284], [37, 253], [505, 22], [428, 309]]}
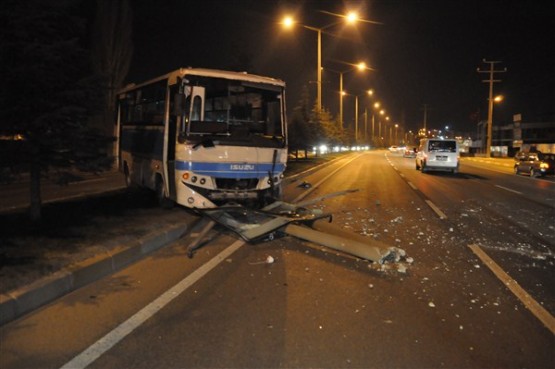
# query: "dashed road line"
{"points": [[437, 210], [508, 189], [434, 207]]}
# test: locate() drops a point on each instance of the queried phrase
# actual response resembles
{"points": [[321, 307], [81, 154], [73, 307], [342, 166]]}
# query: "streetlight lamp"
{"points": [[350, 18]]}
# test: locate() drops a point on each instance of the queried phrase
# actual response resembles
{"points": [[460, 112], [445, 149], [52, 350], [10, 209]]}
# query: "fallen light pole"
{"points": [[285, 219], [356, 248]]}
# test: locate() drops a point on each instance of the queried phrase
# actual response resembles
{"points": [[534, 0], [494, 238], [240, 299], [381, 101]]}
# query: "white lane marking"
{"points": [[508, 189], [412, 186], [309, 191], [98, 348], [535, 308], [440, 213]]}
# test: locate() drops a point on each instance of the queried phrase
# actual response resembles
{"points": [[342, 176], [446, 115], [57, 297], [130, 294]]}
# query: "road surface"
{"points": [[477, 289]]}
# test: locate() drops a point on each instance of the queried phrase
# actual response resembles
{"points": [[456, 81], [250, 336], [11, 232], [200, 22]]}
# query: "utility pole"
{"points": [[425, 116], [491, 71]]}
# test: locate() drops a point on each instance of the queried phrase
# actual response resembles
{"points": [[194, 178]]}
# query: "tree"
{"points": [[324, 129], [331, 134], [298, 128], [112, 49], [49, 91], [312, 127]]}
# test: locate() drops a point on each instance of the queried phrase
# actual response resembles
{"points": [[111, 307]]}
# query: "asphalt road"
{"points": [[478, 290]]}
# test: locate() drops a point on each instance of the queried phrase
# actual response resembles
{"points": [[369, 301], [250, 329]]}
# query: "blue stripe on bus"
{"points": [[230, 170]]}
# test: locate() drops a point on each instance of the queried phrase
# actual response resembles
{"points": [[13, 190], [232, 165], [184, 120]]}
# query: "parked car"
{"points": [[438, 154], [535, 164], [550, 159]]}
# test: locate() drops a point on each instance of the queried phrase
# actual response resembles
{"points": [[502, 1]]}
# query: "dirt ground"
{"points": [[72, 232]]}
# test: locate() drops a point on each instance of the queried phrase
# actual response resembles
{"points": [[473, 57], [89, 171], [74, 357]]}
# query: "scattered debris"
{"points": [[268, 260], [399, 219], [304, 185], [286, 219]]}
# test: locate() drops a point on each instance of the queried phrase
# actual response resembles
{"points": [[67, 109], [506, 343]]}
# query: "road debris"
{"points": [[286, 219], [269, 260]]}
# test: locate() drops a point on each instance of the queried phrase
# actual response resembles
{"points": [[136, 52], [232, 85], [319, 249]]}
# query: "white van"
{"points": [[438, 154]]}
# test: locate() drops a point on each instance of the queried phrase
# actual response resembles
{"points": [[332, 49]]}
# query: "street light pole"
{"points": [[350, 18], [369, 93], [341, 100], [356, 118], [360, 66], [319, 95], [372, 140], [491, 81], [366, 125]]}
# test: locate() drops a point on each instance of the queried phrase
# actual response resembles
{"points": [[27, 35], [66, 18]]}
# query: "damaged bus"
{"points": [[201, 137]]}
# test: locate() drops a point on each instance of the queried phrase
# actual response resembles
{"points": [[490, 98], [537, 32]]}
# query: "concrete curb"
{"points": [[28, 298]]}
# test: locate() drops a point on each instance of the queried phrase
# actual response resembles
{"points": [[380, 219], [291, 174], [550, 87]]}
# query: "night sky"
{"points": [[423, 52]]}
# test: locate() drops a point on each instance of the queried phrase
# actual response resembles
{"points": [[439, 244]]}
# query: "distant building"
{"points": [[508, 139]]}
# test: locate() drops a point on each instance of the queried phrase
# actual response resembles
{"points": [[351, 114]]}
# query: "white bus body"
{"points": [[202, 137]]}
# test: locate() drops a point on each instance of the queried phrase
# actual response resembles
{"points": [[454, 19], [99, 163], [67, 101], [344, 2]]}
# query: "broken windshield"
{"points": [[237, 109]]}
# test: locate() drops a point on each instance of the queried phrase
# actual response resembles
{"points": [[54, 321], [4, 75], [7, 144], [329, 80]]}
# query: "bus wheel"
{"points": [[161, 198]]}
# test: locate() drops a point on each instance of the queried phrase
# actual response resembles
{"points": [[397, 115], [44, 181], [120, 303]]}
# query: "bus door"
{"points": [[174, 120], [172, 140]]}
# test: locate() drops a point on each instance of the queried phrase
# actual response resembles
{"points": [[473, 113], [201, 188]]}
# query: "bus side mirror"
{"points": [[178, 104]]}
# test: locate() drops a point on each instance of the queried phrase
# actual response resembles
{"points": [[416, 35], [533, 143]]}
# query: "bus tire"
{"points": [[161, 198]]}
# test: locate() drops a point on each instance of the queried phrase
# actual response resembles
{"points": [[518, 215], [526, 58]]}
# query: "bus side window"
{"points": [[196, 111]]}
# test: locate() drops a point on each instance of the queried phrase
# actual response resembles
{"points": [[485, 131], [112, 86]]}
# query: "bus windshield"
{"points": [[236, 108]]}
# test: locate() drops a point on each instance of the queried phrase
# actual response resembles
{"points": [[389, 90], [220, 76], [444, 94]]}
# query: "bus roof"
{"points": [[216, 73]]}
